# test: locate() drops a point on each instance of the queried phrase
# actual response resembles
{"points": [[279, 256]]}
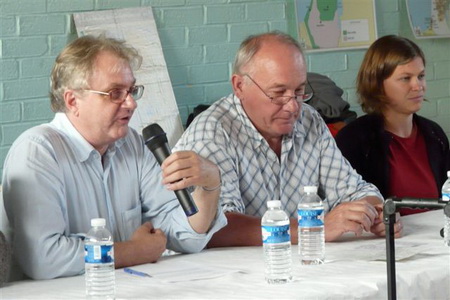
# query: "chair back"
{"points": [[5, 247], [11, 269]]}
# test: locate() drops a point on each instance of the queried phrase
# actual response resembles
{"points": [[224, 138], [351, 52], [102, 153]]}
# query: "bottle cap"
{"points": [[273, 203], [448, 173], [98, 222], [310, 189]]}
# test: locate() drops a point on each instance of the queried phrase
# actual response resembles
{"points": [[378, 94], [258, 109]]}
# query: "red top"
{"points": [[410, 171]]}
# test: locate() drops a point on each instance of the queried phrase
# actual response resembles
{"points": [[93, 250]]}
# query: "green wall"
{"points": [[199, 39]]}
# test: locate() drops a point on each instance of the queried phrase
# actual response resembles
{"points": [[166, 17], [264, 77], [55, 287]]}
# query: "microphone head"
{"points": [[154, 136]]}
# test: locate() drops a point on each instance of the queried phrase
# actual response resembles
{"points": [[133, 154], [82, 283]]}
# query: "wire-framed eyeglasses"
{"points": [[282, 100], [119, 95]]}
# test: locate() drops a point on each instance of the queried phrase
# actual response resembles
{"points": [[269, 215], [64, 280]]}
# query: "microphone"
{"points": [[156, 140], [389, 208], [430, 203]]}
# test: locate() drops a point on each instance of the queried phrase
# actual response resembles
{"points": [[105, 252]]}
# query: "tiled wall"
{"points": [[199, 39]]}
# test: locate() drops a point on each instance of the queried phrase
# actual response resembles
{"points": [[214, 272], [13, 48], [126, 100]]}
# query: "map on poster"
{"points": [[429, 18], [336, 24], [137, 27]]}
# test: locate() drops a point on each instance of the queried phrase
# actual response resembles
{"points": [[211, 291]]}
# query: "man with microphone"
{"points": [[87, 163]]}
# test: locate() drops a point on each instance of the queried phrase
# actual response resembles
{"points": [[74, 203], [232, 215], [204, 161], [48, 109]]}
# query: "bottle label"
{"points": [[97, 254], [275, 234], [446, 196], [310, 217]]}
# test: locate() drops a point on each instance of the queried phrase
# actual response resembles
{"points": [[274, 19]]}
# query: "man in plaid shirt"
{"points": [[268, 145]]}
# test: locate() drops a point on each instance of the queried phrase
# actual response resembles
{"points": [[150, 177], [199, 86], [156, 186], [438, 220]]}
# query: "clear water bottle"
{"points": [[276, 244], [446, 188], [311, 231], [447, 225], [99, 262], [446, 197]]}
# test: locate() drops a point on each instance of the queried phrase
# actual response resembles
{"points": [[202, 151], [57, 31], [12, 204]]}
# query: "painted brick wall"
{"points": [[199, 39]]}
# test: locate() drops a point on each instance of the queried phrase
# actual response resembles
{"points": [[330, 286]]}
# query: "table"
{"points": [[349, 272]]}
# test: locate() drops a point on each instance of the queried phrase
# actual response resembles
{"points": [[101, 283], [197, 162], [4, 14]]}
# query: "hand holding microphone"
{"points": [[156, 140]]}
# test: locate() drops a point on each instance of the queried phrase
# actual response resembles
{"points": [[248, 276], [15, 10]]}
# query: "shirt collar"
{"points": [[299, 129], [252, 132], [82, 148]]}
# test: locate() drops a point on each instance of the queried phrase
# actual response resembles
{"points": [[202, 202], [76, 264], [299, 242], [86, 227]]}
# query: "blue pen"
{"points": [[135, 272]]}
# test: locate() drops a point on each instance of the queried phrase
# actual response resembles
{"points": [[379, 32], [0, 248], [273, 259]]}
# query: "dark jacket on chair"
{"points": [[365, 144]]}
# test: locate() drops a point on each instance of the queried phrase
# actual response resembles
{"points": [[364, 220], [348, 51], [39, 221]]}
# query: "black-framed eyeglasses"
{"points": [[282, 100], [119, 95]]}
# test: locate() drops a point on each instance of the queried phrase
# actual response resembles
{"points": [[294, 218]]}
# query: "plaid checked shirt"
{"points": [[251, 172]]}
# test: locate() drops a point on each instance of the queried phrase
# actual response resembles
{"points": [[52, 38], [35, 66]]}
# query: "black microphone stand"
{"points": [[390, 207]]}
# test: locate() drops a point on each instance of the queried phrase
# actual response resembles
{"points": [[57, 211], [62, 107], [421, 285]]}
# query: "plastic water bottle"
{"points": [[446, 197], [447, 228], [446, 188], [276, 244], [99, 262], [311, 233]]}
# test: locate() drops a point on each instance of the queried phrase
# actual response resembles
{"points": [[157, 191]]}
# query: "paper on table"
{"points": [[377, 251], [183, 271], [403, 250]]}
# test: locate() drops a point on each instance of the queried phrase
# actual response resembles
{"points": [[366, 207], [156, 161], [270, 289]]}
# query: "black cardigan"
{"points": [[365, 144]]}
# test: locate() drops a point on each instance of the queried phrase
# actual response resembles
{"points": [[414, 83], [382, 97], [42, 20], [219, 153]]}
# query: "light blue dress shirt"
{"points": [[55, 182], [252, 173]]}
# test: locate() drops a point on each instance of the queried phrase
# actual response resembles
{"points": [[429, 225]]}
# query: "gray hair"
{"points": [[250, 46], [74, 66]]}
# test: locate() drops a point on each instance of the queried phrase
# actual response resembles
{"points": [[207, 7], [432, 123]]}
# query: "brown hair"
{"points": [[380, 61], [75, 65]]}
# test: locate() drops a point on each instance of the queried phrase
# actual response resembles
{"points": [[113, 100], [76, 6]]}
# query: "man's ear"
{"points": [[71, 102], [237, 82]]}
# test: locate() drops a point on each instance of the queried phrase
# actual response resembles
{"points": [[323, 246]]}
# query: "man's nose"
{"points": [[293, 104], [129, 102]]}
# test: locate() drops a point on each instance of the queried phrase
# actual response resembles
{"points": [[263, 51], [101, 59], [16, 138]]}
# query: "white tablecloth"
{"points": [[352, 271]]}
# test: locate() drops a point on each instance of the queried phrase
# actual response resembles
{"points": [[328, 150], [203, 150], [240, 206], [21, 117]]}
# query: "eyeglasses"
{"points": [[119, 95], [282, 100], [309, 90]]}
